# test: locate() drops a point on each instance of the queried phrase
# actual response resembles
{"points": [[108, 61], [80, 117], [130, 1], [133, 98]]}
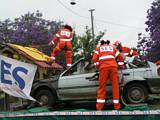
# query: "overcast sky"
{"points": [[123, 19]]}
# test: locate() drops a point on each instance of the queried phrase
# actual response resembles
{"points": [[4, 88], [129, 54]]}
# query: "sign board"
{"points": [[16, 77]]}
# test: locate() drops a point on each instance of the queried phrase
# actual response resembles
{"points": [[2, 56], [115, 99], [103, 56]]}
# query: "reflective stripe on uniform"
{"points": [[115, 101], [117, 53], [69, 65], [120, 63], [100, 100], [96, 63], [53, 58], [106, 57], [52, 42], [57, 35], [96, 52], [125, 53], [131, 52], [66, 39]]}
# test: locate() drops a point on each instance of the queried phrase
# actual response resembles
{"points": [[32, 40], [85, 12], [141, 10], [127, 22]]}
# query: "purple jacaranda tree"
{"points": [[29, 30], [151, 45]]}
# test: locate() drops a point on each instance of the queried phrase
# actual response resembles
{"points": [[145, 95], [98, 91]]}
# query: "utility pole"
{"points": [[91, 10]]}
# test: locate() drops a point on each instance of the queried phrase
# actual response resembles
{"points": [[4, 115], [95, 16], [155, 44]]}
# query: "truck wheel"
{"points": [[46, 97], [135, 93]]}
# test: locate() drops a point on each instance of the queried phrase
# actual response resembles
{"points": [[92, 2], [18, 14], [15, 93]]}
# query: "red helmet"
{"points": [[117, 43]]}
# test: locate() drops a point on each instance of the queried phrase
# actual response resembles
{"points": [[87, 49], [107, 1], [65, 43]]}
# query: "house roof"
{"points": [[35, 56]]}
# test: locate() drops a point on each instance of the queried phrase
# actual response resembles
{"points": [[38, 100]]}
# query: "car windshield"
{"points": [[80, 67], [83, 66], [135, 62]]}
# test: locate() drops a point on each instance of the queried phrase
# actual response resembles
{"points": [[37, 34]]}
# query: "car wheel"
{"points": [[46, 98], [135, 93]]}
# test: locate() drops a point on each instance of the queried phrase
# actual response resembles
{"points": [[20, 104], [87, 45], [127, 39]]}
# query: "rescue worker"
{"points": [[64, 39], [158, 67], [125, 50], [104, 58]]}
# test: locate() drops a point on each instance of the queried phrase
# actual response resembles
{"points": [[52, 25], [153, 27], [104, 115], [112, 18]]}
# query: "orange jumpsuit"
{"points": [[65, 37], [104, 58], [158, 67], [129, 52]]}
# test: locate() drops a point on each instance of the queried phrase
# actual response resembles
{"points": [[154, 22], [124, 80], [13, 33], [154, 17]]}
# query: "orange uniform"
{"points": [[104, 58], [125, 50], [158, 67], [65, 37], [129, 52]]}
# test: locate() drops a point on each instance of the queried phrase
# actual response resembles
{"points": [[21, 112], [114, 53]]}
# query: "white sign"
{"points": [[16, 77]]}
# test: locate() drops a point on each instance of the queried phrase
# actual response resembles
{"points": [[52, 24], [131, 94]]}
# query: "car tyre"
{"points": [[46, 98], [135, 93]]}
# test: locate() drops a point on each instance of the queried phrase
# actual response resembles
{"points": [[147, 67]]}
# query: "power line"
{"points": [[72, 10], [118, 24], [99, 20]]}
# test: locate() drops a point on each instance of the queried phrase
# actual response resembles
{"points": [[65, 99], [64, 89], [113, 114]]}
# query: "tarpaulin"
{"points": [[33, 52], [35, 56]]}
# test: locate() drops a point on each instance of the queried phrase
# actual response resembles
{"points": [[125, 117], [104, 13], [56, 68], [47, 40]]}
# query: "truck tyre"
{"points": [[46, 97], [135, 93]]}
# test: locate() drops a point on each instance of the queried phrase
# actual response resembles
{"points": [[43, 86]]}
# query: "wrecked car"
{"points": [[138, 81]]}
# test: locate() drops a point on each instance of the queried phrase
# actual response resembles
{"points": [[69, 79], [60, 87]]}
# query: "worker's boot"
{"points": [[117, 106], [99, 106]]}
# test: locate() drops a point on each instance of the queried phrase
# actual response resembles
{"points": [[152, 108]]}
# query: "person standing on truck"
{"points": [[104, 58], [126, 51], [63, 38]]}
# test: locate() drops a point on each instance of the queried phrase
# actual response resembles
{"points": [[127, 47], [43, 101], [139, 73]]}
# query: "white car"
{"points": [[80, 82]]}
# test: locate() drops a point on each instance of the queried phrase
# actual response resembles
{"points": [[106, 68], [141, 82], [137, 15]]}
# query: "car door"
{"points": [[125, 76], [73, 84], [154, 80], [142, 73]]}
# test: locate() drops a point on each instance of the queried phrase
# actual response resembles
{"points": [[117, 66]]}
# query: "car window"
{"points": [[81, 67], [135, 62], [139, 63]]}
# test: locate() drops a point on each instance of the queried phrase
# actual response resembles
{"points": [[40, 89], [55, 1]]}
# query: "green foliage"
{"points": [[83, 46]]}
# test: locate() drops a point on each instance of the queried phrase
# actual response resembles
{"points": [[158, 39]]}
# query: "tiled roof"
{"points": [[43, 64]]}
